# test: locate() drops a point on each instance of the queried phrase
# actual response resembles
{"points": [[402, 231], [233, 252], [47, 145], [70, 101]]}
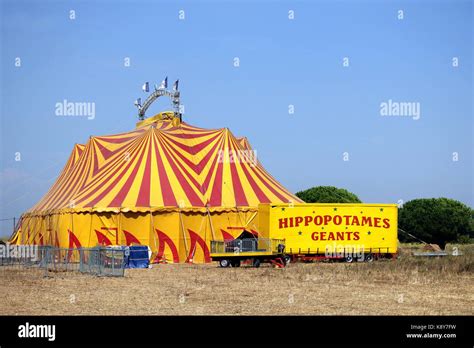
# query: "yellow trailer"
{"points": [[332, 231], [256, 250]]}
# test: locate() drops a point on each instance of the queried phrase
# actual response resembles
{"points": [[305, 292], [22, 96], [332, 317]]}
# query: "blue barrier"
{"points": [[137, 256]]}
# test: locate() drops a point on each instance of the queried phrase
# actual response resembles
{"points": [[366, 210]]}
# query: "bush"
{"points": [[465, 239], [327, 194], [436, 220]]}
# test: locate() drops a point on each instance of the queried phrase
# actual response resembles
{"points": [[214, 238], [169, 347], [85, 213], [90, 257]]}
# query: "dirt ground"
{"points": [[407, 286]]}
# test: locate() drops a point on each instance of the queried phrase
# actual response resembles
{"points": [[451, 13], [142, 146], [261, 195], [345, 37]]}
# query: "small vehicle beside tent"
{"points": [[253, 249]]}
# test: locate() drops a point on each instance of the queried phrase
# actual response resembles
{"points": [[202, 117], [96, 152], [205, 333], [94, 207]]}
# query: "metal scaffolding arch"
{"points": [[160, 91]]}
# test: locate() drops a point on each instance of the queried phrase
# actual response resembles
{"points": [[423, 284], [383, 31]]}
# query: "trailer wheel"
{"points": [[369, 258], [224, 263], [256, 263], [235, 263], [349, 258], [287, 259]]}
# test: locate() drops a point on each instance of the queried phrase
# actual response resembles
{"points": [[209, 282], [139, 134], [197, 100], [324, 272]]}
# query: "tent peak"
{"points": [[159, 117]]}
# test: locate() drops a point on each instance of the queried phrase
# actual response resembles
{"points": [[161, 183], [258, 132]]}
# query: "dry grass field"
{"points": [[407, 286]]}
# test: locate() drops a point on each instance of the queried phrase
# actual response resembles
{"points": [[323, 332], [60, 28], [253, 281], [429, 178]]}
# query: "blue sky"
{"points": [[283, 62]]}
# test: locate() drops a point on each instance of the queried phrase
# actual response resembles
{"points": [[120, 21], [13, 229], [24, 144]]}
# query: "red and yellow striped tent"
{"points": [[166, 184]]}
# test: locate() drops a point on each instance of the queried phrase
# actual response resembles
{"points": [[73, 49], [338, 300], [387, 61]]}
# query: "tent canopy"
{"points": [[163, 165]]}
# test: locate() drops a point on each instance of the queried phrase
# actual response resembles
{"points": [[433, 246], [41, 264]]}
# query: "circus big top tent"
{"points": [[166, 184]]}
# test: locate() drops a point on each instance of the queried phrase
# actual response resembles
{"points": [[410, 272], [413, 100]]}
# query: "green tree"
{"points": [[435, 220], [327, 194]]}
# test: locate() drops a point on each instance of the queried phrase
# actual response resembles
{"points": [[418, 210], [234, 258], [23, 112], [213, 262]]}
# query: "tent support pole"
{"points": [[210, 223], [119, 227], [57, 229], [90, 230], [184, 233], [153, 232]]}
